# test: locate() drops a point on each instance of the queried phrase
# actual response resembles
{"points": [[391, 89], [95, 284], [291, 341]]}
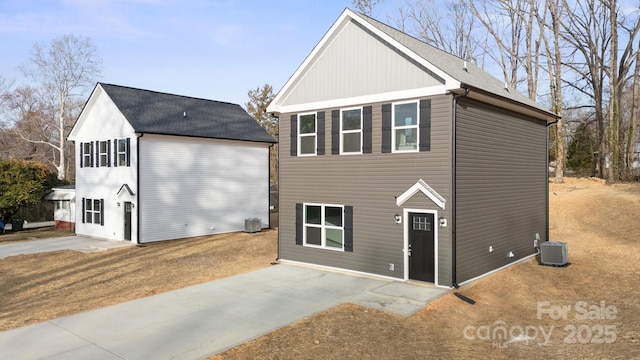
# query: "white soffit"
{"points": [[424, 188]]}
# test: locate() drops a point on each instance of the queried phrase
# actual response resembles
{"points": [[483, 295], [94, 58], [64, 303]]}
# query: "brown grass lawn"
{"points": [[598, 292]]}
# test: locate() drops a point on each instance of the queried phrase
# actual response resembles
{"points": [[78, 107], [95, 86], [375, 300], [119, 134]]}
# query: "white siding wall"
{"points": [[101, 120], [192, 187]]}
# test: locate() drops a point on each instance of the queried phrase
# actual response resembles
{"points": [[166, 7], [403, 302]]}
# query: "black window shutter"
{"points": [[109, 153], [425, 125], [386, 128], [102, 212], [367, 129], [83, 200], [294, 135], [128, 151], [299, 223], [348, 228], [91, 152], [335, 132], [115, 152], [81, 150], [97, 154], [320, 132]]}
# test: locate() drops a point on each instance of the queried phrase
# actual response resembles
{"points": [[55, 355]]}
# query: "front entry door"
{"points": [[421, 247], [127, 221]]}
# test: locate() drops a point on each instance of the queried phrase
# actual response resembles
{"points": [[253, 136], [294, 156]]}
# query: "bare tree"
{"points": [[63, 69], [365, 6], [259, 99], [452, 32]]}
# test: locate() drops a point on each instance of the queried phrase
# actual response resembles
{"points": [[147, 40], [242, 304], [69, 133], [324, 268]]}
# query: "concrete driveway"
{"points": [[78, 243], [202, 320]]}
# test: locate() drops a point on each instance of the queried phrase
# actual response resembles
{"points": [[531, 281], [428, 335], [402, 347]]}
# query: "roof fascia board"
{"points": [[485, 97], [366, 99], [80, 120], [335, 29]]}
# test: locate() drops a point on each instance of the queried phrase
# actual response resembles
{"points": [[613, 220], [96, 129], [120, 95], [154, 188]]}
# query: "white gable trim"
{"points": [[346, 16], [424, 188]]}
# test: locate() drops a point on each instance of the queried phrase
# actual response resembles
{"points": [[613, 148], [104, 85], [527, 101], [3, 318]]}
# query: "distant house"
{"points": [[64, 208], [400, 160], [153, 166]]}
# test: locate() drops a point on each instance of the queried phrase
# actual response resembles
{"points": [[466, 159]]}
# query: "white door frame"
{"points": [[436, 225]]}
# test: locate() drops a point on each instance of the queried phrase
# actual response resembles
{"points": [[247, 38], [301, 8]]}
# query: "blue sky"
{"points": [[213, 49]]}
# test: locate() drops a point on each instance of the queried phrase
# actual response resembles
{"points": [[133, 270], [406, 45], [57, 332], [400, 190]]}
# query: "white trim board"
{"points": [[424, 188]]}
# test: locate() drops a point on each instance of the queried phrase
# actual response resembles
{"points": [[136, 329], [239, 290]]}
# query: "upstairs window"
{"points": [[351, 131], [405, 127], [122, 152], [307, 134], [86, 156], [104, 152]]}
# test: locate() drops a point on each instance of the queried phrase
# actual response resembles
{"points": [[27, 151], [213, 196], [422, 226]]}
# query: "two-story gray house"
{"points": [[400, 160]]}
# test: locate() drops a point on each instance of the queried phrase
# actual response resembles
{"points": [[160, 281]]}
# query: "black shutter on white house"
{"points": [[367, 130], [320, 133], [335, 132], [425, 125], [101, 212], [96, 153], [348, 228], [81, 149], [386, 128], [128, 151], [109, 153], [299, 223], [294, 135], [91, 153], [115, 152], [83, 200]]}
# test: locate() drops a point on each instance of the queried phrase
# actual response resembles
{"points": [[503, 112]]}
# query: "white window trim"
{"points": [[119, 153], [322, 226], [92, 212], [315, 135], [342, 132], [104, 163], [394, 127], [87, 156]]}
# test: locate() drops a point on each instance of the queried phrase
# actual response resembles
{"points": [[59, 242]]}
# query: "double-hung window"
{"points": [[307, 134], [351, 131], [405, 127], [87, 154], [103, 153], [324, 226], [93, 212], [122, 152]]}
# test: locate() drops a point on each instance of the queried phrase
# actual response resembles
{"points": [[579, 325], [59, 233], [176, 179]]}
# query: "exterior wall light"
{"points": [[398, 218], [443, 221]]}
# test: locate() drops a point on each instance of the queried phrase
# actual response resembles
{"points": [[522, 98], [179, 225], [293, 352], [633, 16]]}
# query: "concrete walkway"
{"points": [[202, 320], [78, 243]]}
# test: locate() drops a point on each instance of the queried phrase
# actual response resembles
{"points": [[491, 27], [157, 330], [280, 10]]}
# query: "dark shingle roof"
{"points": [[160, 113]]}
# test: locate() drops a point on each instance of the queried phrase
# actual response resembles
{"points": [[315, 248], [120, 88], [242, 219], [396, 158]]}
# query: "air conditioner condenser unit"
{"points": [[252, 225], [554, 253]]}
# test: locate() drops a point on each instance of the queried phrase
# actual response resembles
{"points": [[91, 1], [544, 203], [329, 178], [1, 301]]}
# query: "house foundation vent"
{"points": [[252, 225]]}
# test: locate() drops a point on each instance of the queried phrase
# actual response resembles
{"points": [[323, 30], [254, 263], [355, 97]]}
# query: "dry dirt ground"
{"points": [[589, 309]]}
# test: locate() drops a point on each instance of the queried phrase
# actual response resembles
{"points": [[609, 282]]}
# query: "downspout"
{"points": [[454, 279], [138, 187], [547, 179]]}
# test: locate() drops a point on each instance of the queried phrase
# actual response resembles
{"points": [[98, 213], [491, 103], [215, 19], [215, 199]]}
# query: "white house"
{"points": [[64, 210], [152, 166]]}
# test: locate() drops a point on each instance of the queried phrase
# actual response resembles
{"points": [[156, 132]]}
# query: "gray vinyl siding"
{"points": [[370, 183], [501, 187]]}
